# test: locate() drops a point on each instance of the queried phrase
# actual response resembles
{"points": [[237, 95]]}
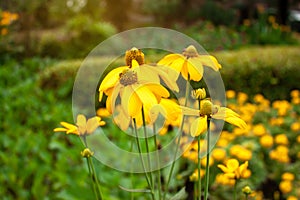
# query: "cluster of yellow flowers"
{"points": [[6, 18]]}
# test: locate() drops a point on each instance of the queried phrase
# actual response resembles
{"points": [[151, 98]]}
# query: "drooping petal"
{"points": [[198, 126], [111, 78], [158, 90], [224, 168], [121, 119], [146, 96], [172, 109], [81, 123], [237, 122], [68, 125], [178, 64], [130, 101], [195, 69], [210, 61], [168, 59], [189, 111], [92, 124], [112, 97], [155, 111], [147, 74], [184, 71], [60, 129]]}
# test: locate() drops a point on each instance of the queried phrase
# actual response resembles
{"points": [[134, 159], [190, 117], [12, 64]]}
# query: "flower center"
{"points": [[134, 54], [190, 52], [207, 108], [128, 77]]}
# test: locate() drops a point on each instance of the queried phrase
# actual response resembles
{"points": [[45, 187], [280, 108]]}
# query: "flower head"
{"points": [[209, 110], [233, 170], [190, 63], [82, 127]]}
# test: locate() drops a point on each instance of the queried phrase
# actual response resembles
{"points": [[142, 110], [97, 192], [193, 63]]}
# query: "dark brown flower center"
{"points": [[134, 54], [128, 77]]}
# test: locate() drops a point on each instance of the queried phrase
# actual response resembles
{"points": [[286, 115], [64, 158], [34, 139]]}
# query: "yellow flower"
{"points": [[230, 94], [242, 98], [285, 186], [208, 110], [103, 112], [295, 93], [292, 198], [287, 176], [266, 141], [281, 139], [295, 126], [281, 154], [190, 63], [199, 93], [241, 152], [138, 86], [82, 127], [247, 190], [218, 154], [224, 180], [259, 130], [298, 138], [233, 170], [194, 176], [87, 153], [204, 160]]}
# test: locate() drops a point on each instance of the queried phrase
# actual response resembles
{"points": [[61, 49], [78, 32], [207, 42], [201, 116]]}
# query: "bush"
{"points": [[271, 71]]}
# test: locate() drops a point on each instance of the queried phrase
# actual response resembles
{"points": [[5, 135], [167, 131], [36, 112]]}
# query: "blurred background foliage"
{"points": [[43, 42]]}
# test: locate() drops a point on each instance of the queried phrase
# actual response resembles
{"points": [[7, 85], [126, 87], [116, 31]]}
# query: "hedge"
{"points": [[271, 71]]}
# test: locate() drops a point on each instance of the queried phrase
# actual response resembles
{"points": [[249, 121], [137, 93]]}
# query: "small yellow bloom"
{"points": [[82, 127], [266, 141], [224, 180], [242, 98], [298, 138], [295, 126], [204, 160], [285, 186], [281, 139], [259, 130], [295, 93], [292, 198], [87, 153], [280, 154], [240, 152], [199, 93], [190, 63], [247, 190], [218, 154], [194, 176], [103, 112], [287, 176], [230, 94]]}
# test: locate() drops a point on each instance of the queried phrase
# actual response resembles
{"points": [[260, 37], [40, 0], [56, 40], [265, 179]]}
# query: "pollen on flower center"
{"points": [[190, 52], [134, 54], [207, 108], [128, 77]]}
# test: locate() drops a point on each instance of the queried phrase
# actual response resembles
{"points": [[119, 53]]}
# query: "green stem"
{"points": [[199, 168], [199, 161], [234, 192], [207, 160], [90, 172], [158, 163], [142, 160], [131, 174], [95, 178], [147, 145], [178, 142]]}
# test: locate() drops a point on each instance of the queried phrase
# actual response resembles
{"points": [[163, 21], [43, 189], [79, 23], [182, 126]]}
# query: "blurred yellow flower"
{"points": [[259, 130], [194, 176], [87, 153], [240, 152], [7, 18], [298, 138], [218, 154], [295, 126], [204, 159], [190, 63], [224, 180], [247, 190], [281, 154], [4, 31], [266, 141], [285, 186], [233, 170], [281, 139], [287, 176], [82, 127], [103, 112], [295, 93], [230, 94], [282, 107], [291, 198], [242, 98], [199, 93]]}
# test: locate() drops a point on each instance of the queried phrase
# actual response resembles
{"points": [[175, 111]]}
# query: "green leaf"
{"points": [[181, 195]]}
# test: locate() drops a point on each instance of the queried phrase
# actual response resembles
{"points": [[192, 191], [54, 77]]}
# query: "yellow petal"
{"points": [[172, 109], [184, 71], [198, 126], [158, 90], [146, 96], [210, 61], [168, 59], [232, 165], [195, 69], [155, 111], [189, 111], [130, 101], [68, 125], [237, 122], [60, 130], [111, 78], [81, 123], [224, 168], [92, 124], [147, 74]]}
